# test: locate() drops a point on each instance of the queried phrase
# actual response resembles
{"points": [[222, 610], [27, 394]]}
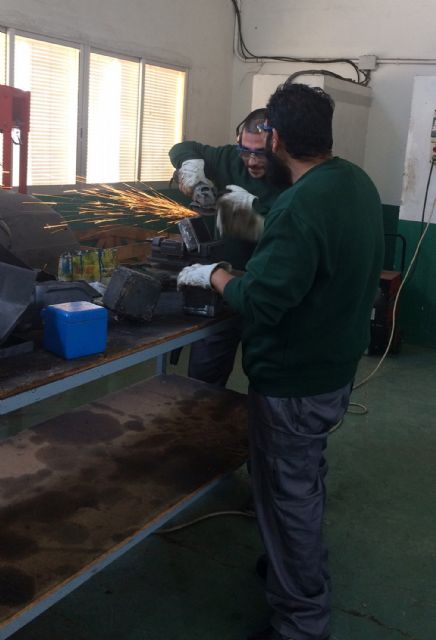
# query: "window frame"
{"points": [[85, 51], [6, 54]]}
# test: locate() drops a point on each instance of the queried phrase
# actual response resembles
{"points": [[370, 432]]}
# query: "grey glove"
{"points": [[236, 216], [198, 275], [190, 174]]}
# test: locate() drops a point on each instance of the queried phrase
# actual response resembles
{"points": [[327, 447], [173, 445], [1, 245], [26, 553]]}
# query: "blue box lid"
{"points": [[77, 311]]}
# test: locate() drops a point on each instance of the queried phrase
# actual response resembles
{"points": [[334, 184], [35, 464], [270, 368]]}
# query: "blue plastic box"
{"points": [[75, 329]]}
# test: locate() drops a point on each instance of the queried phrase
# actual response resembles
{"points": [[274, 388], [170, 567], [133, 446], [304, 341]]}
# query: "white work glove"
{"points": [[198, 275], [236, 216], [190, 173]]}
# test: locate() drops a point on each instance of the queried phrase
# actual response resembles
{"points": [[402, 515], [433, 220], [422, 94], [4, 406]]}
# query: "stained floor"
{"points": [[199, 583]]}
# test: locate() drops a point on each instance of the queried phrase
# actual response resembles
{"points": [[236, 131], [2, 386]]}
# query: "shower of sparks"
{"points": [[109, 204]]}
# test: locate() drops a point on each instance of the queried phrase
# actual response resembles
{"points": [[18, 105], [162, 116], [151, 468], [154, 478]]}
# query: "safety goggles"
{"points": [[247, 153], [264, 126]]}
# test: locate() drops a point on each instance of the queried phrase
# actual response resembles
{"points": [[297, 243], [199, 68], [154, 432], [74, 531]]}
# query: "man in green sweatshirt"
{"points": [[240, 174], [306, 301]]}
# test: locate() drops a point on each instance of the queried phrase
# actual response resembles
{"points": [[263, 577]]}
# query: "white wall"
{"points": [[396, 31], [418, 154], [197, 34], [350, 117]]}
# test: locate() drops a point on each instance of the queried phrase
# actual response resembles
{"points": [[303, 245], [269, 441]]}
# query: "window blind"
{"points": [[133, 113], [112, 119], [3, 74], [164, 95], [51, 73], [3, 77]]}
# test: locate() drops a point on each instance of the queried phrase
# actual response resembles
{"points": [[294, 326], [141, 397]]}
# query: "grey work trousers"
{"points": [[288, 437], [211, 359]]}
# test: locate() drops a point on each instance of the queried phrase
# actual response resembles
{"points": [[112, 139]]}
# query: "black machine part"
{"points": [[14, 346], [196, 245], [201, 302], [16, 289], [32, 237], [195, 233], [166, 277], [132, 294], [204, 197], [33, 232], [54, 292], [171, 254]]}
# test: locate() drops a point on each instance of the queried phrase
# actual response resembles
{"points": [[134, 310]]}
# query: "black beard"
{"points": [[277, 171]]}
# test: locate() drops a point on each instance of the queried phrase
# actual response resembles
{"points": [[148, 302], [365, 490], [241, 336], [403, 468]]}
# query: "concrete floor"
{"points": [[199, 583]]}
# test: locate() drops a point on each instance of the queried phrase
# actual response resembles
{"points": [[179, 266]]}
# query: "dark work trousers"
{"points": [[288, 437], [211, 359]]}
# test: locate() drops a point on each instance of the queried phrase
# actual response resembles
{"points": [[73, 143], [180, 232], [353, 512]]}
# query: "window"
{"points": [[51, 73], [94, 115], [3, 75], [164, 92], [3, 57], [112, 119]]}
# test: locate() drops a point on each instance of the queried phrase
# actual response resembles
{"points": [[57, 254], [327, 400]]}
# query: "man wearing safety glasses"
{"points": [[306, 301], [247, 185]]}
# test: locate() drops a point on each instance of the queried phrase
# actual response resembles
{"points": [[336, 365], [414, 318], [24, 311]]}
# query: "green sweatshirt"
{"points": [[307, 296], [223, 166]]}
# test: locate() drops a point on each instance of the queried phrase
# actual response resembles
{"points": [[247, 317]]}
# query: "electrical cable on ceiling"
{"points": [[363, 76], [322, 72]]}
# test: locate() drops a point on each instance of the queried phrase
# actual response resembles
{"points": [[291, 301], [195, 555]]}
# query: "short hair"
{"points": [[302, 116], [250, 122]]}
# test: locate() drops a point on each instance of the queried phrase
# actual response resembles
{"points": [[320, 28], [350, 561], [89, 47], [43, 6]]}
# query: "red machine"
{"points": [[382, 316], [382, 319], [14, 114]]}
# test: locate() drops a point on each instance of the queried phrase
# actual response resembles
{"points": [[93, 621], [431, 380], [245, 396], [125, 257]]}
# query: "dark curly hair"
{"points": [[250, 122], [302, 116]]}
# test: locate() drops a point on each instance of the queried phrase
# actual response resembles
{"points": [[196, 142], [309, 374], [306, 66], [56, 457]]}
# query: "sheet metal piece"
{"points": [[16, 289]]}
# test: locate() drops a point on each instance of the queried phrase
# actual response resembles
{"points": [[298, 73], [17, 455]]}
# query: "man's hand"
{"points": [[237, 199], [198, 275], [236, 216], [190, 174]]}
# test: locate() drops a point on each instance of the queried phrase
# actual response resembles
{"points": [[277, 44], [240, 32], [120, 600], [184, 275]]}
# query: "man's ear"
{"points": [[275, 141]]}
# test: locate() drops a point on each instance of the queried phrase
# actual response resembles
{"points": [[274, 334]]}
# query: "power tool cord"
{"points": [[361, 408], [406, 276], [184, 525]]}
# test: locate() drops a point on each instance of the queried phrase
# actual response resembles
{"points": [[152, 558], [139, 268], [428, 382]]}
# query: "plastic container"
{"points": [[75, 329]]}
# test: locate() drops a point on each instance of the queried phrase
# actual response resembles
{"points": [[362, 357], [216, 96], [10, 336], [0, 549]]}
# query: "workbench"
{"points": [[80, 489], [32, 377]]}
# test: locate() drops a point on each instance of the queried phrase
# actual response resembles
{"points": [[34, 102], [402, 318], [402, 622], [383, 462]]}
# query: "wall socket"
{"points": [[367, 63]]}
